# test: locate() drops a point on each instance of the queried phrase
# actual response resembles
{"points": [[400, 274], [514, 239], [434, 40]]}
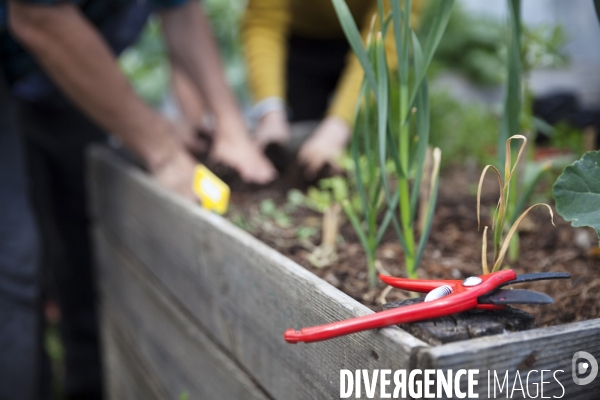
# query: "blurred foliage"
{"points": [[146, 65], [335, 189], [475, 46], [56, 355], [225, 17], [464, 131], [567, 137]]}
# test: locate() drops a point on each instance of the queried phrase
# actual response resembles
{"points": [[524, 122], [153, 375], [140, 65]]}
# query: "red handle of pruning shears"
{"points": [[461, 299]]}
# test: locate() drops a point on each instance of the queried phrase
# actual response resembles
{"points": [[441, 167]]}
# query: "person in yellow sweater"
{"points": [[298, 59]]}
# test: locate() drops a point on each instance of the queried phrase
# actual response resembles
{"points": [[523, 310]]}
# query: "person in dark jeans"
{"points": [[64, 91], [20, 278]]}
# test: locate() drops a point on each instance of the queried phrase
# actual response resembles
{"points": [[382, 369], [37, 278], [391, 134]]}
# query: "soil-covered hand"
{"points": [[242, 154], [273, 127], [324, 146]]}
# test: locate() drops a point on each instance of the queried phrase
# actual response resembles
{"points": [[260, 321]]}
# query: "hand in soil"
{"points": [[273, 128], [324, 146], [196, 140], [244, 156]]}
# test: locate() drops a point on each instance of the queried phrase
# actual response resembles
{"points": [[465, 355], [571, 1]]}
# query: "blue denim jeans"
{"points": [[21, 355]]}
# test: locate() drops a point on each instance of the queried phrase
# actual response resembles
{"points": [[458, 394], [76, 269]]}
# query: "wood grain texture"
{"points": [[241, 292], [182, 359], [126, 375], [550, 348]]}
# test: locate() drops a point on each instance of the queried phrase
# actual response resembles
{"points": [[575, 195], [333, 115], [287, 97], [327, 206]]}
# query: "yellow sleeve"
{"points": [[264, 33], [344, 100]]}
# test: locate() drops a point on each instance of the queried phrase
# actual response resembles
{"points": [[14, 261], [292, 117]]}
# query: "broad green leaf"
{"points": [[577, 192]]}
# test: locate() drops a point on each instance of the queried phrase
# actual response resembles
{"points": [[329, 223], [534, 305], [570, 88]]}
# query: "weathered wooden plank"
{"points": [[242, 292], [550, 348], [126, 376], [181, 357]]}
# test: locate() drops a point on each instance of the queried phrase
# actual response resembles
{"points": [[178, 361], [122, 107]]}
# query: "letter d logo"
{"points": [[582, 367]]}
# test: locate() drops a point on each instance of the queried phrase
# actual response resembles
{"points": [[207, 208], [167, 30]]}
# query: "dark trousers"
{"points": [[56, 135], [21, 356], [313, 70]]}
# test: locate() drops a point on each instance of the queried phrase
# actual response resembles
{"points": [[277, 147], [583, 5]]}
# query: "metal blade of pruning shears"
{"points": [[515, 296], [537, 276]]}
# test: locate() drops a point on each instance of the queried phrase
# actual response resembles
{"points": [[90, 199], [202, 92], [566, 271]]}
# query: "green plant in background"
{"points": [[472, 45], [225, 17], [526, 49], [393, 125], [501, 244], [577, 192], [509, 125], [338, 188], [146, 64], [475, 46], [473, 127]]}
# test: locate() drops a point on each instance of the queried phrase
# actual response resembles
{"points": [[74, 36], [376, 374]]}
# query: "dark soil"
{"points": [[453, 250]]}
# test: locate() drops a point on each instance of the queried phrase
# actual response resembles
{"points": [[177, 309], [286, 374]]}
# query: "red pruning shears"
{"points": [[445, 297]]}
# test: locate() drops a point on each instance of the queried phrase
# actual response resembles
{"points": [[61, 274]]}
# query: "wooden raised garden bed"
{"points": [[191, 304]]}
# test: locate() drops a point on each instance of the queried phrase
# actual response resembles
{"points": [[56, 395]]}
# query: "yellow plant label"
{"points": [[212, 191]]}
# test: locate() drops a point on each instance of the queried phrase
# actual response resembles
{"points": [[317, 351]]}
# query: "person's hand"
{"points": [[235, 149], [273, 127], [324, 145], [176, 172], [190, 137], [167, 159]]}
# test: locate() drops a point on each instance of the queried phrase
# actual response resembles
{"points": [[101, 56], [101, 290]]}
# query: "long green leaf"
{"points": [[353, 35], [422, 126], [356, 225], [380, 15], [438, 26], [390, 216], [397, 17], [382, 110], [435, 175], [355, 151], [509, 125]]}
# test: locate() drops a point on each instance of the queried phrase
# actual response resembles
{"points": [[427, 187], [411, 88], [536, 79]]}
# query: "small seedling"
{"points": [[269, 210]]}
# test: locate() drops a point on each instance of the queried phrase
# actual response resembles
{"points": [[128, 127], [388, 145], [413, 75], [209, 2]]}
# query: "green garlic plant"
{"points": [[527, 49], [501, 244], [392, 126]]}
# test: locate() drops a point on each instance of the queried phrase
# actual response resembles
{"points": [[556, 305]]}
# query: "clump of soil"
{"points": [[453, 250]]}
